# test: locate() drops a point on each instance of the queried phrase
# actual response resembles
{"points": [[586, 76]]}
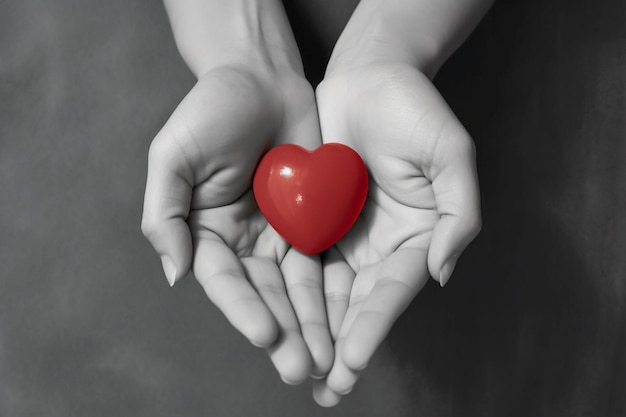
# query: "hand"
{"points": [[199, 211], [422, 209]]}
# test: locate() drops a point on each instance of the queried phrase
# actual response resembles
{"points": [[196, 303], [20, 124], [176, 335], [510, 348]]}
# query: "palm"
{"points": [[241, 227], [388, 115], [222, 205], [400, 212], [385, 226]]}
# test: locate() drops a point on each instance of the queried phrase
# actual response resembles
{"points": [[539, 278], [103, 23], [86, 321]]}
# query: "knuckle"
{"points": [[171, 141], [465, 145], [212, 280], [149, 227], [305, 282], [402, 285], [321, 89], [336, 296], [313, 324], [157, 150], [270, 289]]}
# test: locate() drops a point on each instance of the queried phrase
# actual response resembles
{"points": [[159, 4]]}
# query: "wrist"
{"points": [[369, 41], [214, 33], [419, 33]]}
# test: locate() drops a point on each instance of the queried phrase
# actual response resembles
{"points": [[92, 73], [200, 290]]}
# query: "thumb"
{"points": [[166, 206], [455, 186], [209, 137]]}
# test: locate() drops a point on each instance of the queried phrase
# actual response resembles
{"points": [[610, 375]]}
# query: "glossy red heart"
{"points": [[311, 198]]}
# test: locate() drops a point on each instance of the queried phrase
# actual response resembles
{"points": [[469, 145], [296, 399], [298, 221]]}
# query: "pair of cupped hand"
{"points": [[319, 316]]}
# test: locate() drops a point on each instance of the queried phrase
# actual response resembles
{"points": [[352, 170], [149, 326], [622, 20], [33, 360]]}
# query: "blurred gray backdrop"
{"points": [[533, 322]]}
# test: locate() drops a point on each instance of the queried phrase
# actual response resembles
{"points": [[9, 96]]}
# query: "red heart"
{"points": [[311, 198]]}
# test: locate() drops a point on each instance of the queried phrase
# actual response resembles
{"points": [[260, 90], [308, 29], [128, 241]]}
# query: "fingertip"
{"points": [[171, 240], [341, 389], [263, 334], [293, 378], [287, 380], [450, 238], [169, 268], [354, 356], [320, 346], [291, 359], [341, 378], [324, 396], [321, 367], [254, 321], [296, 374], [446, 270]]}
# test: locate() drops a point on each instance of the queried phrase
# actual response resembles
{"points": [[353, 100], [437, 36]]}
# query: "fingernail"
{"points": [[288, 381], [347, 391], [257, 344], [169, 268], [446, 271]]}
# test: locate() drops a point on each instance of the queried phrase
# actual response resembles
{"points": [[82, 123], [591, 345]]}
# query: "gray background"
{"points": [[533, 322]]}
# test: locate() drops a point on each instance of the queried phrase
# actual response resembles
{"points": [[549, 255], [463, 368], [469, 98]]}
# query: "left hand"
{"points": [[422, 210]]}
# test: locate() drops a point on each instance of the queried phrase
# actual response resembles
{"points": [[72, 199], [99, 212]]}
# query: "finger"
{"points": [[324, 396], [401, 276], [455, 186], [223, 278], [303, 279], [338, 279], [288, 353], [329, 94], [166, 205], [341, 378], [300, 121]]}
